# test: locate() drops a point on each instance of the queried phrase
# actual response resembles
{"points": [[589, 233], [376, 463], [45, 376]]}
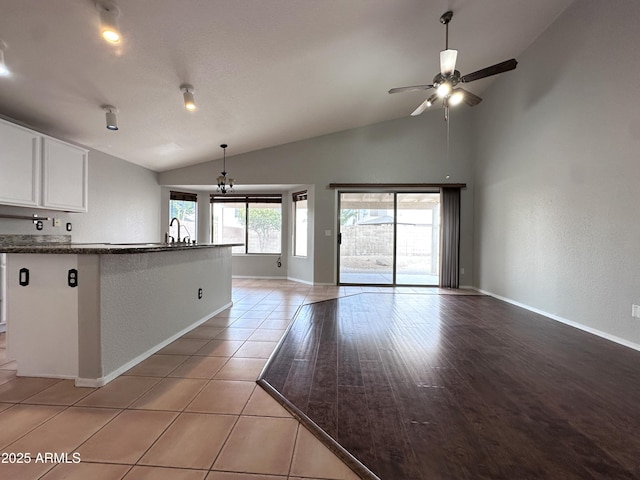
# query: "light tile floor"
{"points": [[192, 411]]}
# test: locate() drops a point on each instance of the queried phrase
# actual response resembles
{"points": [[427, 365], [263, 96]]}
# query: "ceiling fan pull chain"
{"points": [[446, 119]]}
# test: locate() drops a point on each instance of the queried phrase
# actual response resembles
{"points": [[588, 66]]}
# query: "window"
{"points": [[254, 220], [184, 207], [300, 224]]}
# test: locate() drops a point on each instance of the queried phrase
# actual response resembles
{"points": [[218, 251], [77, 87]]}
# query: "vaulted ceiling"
{"points": [[265, 72]]}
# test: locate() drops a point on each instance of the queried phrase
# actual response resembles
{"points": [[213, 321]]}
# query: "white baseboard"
{"points": [[102, 381], [257, 277], [566, 321]]}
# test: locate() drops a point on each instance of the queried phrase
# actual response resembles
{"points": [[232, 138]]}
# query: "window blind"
{"points": [[188, 197]]}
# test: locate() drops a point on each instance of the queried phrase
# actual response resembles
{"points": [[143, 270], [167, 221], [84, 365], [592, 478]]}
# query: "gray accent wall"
{"points": [[557, 166], [124, 206], [407, 150]]}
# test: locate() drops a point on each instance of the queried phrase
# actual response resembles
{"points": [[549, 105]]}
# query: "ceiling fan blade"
{"points": [[410, 89], [424, 105], [469, 98], [489, 71], [448, 61]]}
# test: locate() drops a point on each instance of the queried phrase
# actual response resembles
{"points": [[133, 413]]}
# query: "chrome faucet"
{"points": [[171, 225]]}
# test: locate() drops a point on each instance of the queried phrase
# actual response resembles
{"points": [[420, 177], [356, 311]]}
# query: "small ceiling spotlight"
{"points": [[109, 21], [112, 120], [4, 71], [189, 100]]}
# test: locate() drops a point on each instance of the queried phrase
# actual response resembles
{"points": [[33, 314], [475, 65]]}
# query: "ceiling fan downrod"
{"points": [[445, 19]]}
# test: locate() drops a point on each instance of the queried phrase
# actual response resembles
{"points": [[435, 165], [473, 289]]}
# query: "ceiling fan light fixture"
{"points": [[110, 115], [109, 21], [189, 99], [448, 61], [443, 89], [456, 98], [4, 71]]}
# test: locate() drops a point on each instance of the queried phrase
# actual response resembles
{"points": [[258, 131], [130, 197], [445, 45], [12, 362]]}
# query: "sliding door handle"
{"points": [[23, 277]]}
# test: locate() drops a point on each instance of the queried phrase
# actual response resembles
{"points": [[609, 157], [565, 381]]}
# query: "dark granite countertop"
{"points": [[106, 248]]}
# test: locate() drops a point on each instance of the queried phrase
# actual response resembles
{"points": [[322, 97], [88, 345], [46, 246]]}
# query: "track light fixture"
{"points": [[224, 184], [187, 94], [4, 71], [112, 120], [109, 21]]}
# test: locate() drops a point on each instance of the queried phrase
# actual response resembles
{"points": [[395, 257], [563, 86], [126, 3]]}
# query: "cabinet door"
{"points": [[19, 165], [42, 326], [65, 174]]}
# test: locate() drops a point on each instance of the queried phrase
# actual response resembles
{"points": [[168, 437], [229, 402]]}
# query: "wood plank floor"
{"points": [[456, 387]]}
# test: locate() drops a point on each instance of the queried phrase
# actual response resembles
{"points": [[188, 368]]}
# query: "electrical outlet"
{"points": [[635, 311], [462, 271], [199, 293]]}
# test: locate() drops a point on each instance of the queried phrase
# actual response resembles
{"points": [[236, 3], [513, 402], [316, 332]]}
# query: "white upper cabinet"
{"points": [[20, 161], [40, 171], [65, 173]]}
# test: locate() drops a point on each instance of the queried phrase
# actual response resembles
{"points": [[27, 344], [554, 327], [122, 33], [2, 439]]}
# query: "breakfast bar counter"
{"points": [[92, 311], [106, 248]]}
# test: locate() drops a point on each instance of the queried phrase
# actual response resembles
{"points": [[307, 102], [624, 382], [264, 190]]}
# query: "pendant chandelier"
{"points": [[224, 184]]}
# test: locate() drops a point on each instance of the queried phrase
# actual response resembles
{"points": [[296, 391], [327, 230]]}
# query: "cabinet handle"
{"points": [[72, 278], [23, 277]]}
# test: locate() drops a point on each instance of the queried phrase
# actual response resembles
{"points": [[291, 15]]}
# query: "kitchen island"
{"points": [[92, 311]]}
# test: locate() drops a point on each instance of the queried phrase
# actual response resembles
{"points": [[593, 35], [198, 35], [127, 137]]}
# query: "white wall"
{"points": [[557, 171], [408, 150], [124, 206], [146, 299]]}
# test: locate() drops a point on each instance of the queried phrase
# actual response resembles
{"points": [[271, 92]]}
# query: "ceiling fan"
{"points": [[446, 82]]}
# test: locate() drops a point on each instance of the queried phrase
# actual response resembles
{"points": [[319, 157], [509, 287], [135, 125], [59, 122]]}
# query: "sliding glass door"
{"points": [[417, 238], [389, 238], [366, 238]]}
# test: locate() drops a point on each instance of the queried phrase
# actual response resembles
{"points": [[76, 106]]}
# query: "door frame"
{"points": [[394, 192]]}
